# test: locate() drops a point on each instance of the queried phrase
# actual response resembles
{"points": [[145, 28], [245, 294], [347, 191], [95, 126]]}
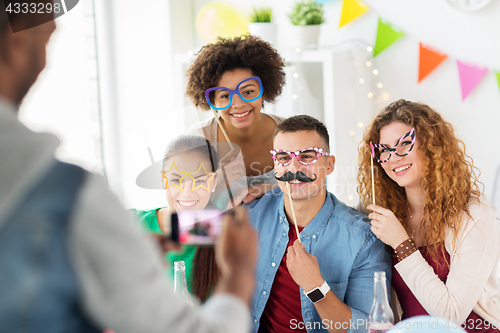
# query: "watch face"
{"points": [[468, 5], [315, 295]]}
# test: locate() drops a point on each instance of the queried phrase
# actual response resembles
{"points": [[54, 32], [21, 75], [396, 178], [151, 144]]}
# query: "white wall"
{"points": [[63, 101], [134, 47]]}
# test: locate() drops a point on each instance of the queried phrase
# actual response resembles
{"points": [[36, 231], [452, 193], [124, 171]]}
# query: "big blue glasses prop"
{"points": [[248, 90]]}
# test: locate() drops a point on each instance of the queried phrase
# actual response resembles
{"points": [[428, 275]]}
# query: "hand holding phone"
{"points": [[197, 226]]}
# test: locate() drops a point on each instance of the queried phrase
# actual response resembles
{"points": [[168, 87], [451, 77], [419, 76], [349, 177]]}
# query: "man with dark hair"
{"points": [[326, 281], [71, 258]]}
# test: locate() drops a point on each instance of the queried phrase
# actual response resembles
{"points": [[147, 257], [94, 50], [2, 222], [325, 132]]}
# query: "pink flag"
{"points": [[470, 76]]}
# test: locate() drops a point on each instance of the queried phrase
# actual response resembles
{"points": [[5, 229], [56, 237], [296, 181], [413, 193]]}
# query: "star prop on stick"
{"points": [[164, 173], [200, 173], [293, 211]]}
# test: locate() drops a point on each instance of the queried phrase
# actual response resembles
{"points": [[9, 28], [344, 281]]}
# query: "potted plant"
{"points": [[260, 24], [306, 17]]}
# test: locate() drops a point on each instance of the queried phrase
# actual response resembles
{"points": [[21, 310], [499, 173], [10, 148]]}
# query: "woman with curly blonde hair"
{"points": [[430, 210]]}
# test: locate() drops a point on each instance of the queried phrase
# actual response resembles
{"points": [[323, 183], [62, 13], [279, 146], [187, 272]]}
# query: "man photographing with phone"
{"points": [[71, 258]]}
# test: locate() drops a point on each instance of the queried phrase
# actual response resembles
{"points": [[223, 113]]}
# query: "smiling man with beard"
{"points": [[325, 283]]}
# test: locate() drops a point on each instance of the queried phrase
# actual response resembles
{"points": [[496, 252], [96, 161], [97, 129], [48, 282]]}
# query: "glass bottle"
{"points": [[381, 318], [180, 283]]}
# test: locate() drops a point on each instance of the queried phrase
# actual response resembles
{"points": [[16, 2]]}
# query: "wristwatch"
{"points": [[318, 293]]}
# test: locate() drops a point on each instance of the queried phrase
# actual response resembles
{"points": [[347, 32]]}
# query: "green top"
{"points": [[149, 220]]}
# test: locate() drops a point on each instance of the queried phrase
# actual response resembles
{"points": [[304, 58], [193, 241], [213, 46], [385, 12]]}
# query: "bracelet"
{"points": [[405, 249]]}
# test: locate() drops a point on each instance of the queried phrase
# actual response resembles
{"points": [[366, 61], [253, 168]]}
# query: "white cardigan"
{"points": [[208, 128], [472, 283]]}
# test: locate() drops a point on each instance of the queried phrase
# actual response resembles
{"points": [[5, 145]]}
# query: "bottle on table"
{"points": [[180, 283], [381, 318]]}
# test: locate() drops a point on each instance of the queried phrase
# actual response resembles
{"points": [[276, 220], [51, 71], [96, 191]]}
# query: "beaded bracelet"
{"points": [[405, 249]]}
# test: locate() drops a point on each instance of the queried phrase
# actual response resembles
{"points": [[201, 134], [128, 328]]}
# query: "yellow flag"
{"points": [[352, 9]]}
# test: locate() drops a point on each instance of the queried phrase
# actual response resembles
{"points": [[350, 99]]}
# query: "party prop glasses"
{"points": [[220, 98], [403, 147], [305, 156], [199, 179]]}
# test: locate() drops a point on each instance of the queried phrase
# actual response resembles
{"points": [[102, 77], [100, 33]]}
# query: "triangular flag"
{"points": [[429, 60], [498, 78], [352, 9], [386, 35], [470, 75]]}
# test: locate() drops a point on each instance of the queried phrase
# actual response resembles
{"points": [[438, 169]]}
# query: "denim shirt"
{"points": [[348, 254]]}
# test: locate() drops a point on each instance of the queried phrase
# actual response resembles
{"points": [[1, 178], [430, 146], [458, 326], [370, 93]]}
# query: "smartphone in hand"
{"points": [[197, 226]]}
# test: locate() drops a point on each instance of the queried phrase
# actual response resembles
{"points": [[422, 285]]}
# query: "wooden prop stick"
{"points": [[223, 130], [293, 211], [373, 178], [231, 199]]}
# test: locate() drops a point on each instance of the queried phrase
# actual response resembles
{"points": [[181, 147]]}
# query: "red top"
{"points": [[411, 307], [283, 312]]}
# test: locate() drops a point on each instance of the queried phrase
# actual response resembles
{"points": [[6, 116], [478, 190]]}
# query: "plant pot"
{"points": [[304, 36], [267, 31]]}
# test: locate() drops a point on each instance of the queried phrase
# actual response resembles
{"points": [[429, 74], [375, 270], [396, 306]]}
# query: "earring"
{"points": [[213, 190]]}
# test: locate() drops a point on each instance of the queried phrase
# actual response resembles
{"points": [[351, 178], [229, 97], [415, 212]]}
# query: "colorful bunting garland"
{"points": [[387, 34], [429, 60], [498, 78], [470, 76], [352, 9]]}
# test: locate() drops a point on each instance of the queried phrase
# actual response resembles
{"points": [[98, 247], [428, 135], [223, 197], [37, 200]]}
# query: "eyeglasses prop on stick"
{"points": [[221, 98], [293, 211], [373, 178]]}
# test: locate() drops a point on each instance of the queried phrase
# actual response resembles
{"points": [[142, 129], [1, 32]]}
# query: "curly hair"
{"points": [[449, 177], [227, 54]]}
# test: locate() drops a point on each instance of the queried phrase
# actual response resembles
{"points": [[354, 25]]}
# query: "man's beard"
{"points": [[30, 77]]}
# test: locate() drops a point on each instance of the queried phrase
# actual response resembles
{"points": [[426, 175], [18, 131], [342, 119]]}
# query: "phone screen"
{"points": [[197, 226]]}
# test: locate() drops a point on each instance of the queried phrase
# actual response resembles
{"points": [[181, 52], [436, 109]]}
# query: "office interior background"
{"points": [[113, 88]]}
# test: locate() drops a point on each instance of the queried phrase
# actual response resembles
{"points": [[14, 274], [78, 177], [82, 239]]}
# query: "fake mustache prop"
{"points": [[300, 176]]}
